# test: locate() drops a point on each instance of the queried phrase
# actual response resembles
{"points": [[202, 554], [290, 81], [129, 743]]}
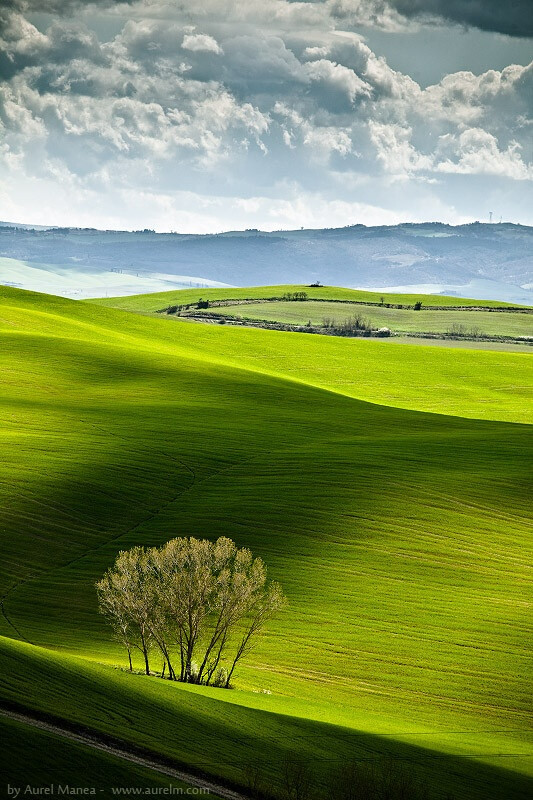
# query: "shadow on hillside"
{"points": [[221, 740]]}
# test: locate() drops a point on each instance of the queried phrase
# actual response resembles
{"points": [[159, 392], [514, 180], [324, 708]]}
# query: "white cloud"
{"points": [[476, 152], [316, 51], [201, 43], [329, 140], [268, 95], [395, 152], [336, 77]]}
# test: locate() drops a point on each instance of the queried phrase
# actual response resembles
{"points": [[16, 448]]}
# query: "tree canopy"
{"points": [[200, 604]]}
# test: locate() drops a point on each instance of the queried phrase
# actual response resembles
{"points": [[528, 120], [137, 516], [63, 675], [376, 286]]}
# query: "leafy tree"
{"points": [[123, 599], [262, 608], [206, 601], [113, 607]]}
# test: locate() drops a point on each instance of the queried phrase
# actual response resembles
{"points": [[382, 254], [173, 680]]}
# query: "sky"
{"points": [[268, 114]]}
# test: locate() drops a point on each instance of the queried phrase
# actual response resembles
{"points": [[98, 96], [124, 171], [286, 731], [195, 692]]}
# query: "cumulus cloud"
{"points": [[513, 19], [317, 51], [476, 152], [395, 151], [201, 43], [175, 104]]}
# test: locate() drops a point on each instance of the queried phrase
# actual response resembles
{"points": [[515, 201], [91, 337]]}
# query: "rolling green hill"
{"points": [[159, 300], [400, 537]]}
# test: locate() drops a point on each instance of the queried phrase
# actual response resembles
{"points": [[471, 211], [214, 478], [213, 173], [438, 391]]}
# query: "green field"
{"points": [[400, 537], [486, 323]]}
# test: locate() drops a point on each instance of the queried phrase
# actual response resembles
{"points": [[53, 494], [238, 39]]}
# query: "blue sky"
{"points": [[268, 114]]}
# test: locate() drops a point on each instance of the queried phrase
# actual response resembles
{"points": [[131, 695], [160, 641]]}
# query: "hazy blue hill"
{"points": [[487, 261]]}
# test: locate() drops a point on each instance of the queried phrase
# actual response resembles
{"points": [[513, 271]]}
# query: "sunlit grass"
{"points": [[400, 537]]}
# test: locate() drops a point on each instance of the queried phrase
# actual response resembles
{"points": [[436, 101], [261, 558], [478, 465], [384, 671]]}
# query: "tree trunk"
{"points": [[240, 651], [230, 673], [171, 673], [217, 633], [182, 660], [188, 661], [145, 654], [212, 669], [191, 640]]}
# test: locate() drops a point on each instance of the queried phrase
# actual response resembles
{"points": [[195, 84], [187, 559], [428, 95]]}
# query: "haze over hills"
{"points": [[489, 261]]}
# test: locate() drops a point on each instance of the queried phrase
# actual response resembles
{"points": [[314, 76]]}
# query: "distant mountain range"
{"points": [[490, 261]]}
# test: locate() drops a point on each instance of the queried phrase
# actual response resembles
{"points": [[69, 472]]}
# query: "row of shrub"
{"points": [[295, 296], [474, 332], [354, 324]]}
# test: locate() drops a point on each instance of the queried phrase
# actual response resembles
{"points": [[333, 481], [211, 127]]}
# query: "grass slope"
{"points": [[159, 300], [400, 537], [220, 737], [490, 385]]}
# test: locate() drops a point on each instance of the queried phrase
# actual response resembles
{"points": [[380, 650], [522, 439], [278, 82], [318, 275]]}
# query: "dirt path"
{"points": [[92, 740]]}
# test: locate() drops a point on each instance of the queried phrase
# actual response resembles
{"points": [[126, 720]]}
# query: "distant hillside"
{"points": [[477, 260], [25, 226]]}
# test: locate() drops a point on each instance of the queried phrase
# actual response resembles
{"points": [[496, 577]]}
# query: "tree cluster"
{"points": [[199, 604], [354, 324], [295, 296], [457, 329]]}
